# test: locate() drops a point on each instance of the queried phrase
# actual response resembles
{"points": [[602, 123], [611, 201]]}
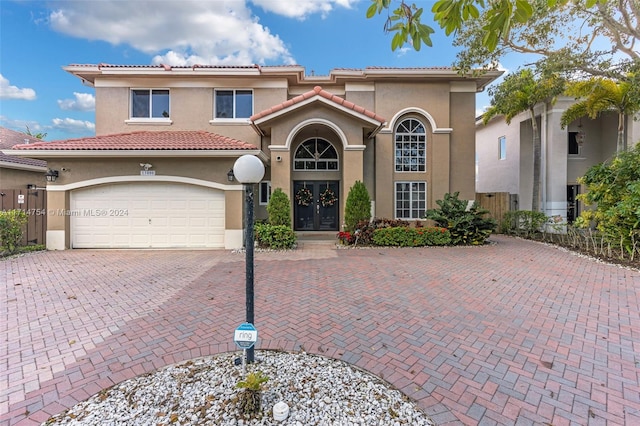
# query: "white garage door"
{"points": [[147, 215]]}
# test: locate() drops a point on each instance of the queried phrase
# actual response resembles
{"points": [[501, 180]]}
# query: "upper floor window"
{"points": [[149, 103], [233, 103], [411, 146], [502, 148], [316, 154]]}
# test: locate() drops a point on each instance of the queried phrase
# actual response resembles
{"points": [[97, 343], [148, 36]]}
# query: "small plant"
{"points": [[523, 223], [357, 207], [279, 208], [251, 394], [346, 238], [467, 223], [12, 223]]}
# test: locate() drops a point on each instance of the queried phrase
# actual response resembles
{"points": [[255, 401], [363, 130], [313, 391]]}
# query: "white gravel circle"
{"points": [[318, 391]]}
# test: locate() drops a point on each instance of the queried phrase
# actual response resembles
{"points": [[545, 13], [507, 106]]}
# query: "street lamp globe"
{"points": [[248, 169]]}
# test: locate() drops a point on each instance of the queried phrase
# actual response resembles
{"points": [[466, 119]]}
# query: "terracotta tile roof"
{"points": [[145, 140], [9, 138], [318, 91], [167, 67]]}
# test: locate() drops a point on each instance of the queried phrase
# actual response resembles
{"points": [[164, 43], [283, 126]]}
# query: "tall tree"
{"points": [[518, 93], [594, 37], [405, 19], [597, 95]]}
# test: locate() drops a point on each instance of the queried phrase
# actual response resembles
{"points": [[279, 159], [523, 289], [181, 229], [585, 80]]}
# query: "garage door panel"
{"points": [[154, 215]]}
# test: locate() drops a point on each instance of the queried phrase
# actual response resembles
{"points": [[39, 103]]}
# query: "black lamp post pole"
{"points": [[248, 188]]}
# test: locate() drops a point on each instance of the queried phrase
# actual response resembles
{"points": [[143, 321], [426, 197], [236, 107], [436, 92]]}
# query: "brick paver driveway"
{"points": [[512, 333]]}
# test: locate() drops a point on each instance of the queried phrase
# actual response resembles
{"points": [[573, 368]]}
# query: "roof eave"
{"points": [[20, 166], [83, 153]]}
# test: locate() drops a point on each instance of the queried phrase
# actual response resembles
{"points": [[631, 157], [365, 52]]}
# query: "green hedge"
{"points": [[277, 237], [411, 237]]}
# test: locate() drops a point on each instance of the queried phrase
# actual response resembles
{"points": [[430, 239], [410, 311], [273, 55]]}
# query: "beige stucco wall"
{"points": [[19, 179], [462, 148], [191, 107]]}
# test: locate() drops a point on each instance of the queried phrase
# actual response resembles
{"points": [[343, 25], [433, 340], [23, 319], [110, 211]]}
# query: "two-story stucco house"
{"points": [[157, 172], [505, 155]]}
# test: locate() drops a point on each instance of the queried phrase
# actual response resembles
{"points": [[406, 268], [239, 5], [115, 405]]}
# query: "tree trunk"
{"points": [[537, 159], [620, 144]]}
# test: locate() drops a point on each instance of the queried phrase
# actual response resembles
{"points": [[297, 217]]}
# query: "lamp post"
{"points": [[249, 170]]}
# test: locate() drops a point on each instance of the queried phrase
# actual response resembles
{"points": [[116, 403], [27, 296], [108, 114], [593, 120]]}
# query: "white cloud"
{"points": [[73, 126], [188, 32], [20, 125], [300, 9], [7, 91], [82, 102]]}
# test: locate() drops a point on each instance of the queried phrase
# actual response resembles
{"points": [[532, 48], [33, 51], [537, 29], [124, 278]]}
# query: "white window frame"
{"points": [[264, 192], [150, 119], [234, 107], [405, 151], [316, 159], [413, 211], [502, 148]]}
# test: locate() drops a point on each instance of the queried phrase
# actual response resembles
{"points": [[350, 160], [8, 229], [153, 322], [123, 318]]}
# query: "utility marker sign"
{"points": [[245, 336]]}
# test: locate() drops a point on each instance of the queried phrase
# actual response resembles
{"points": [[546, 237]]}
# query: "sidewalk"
{"points": [[512, 333]]}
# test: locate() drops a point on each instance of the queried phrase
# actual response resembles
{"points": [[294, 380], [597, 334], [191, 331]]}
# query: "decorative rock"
{"points": [[204, 391]]}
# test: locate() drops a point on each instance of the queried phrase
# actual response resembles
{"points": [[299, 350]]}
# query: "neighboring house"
{"points": [[505, 156], [17, 172], [157, 172]]}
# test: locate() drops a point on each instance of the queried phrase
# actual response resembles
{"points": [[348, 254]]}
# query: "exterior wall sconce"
{"points": [[230, 175], [51, 175]]}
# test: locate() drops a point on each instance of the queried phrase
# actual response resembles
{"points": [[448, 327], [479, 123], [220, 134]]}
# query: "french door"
{"points": [[316, 205]]}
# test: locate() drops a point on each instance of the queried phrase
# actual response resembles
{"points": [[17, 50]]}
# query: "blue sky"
{"points": [[38, 38]]}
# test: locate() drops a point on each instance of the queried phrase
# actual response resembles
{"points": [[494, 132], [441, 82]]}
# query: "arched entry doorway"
{"points": [[316, 186]]}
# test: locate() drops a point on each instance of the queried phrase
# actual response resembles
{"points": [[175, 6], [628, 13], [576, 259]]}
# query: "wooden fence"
{"points": [[34, 203], [498, 203]]}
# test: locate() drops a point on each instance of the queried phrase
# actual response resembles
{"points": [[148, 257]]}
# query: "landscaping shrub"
{"points": [[411, 237], [357, 207], [279, 208], [363, 234], [523, 223], [468, 225], [614, 188], [12, 223], [277, 237]]}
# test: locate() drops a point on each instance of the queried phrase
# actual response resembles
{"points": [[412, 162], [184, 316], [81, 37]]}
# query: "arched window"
{"points": [[315, 154], [411, 146]]}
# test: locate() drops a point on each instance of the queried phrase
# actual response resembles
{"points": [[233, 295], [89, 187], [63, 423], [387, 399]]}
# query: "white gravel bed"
{"points": [[318, 391]]}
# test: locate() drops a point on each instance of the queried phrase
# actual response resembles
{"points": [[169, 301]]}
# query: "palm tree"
{"points": [[518, 93], [40, 135], [597, 95]]}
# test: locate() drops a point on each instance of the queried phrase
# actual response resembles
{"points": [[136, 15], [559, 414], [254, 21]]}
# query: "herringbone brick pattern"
{"points": [[515, 333]]}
